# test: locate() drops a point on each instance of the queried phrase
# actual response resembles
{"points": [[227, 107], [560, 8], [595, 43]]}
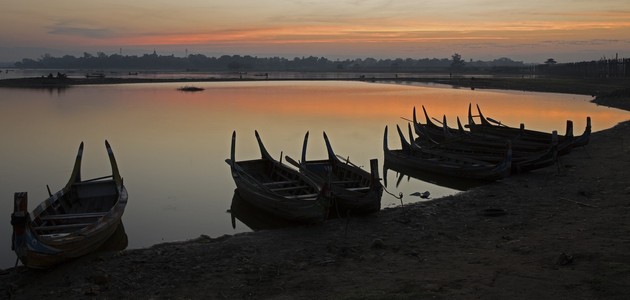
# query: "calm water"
{"points": [[171, 145]]}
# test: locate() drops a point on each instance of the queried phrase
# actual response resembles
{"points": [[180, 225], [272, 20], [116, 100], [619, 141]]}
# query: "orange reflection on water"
{"points": [[351, 100], [338, 99]]}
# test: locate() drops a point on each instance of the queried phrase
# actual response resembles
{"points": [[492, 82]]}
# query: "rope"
{"points": [[400, 195]]}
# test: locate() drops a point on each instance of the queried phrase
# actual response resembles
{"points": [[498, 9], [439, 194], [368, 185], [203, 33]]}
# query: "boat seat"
{"points": [[345, 181], [64, 226], [280, 182], [299, 187], [301, 196], [363, 188], [73, 216]]}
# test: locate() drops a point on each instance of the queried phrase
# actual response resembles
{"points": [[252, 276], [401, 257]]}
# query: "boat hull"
{"points": [[75, 221], [277, 189]]}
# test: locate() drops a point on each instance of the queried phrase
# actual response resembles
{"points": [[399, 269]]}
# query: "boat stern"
{"points": [[24, 243], [19, 221]]}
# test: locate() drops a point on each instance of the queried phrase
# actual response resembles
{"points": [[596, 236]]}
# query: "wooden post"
{"points": [[20, 202], [374, 172], [19, 218]]}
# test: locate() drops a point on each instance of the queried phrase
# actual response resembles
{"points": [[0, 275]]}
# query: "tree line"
{"points": [[617, 67], [200, 62]]}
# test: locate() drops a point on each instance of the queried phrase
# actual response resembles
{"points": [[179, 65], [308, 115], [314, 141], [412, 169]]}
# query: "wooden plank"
{"points": [[95, 181], [280, 182], [345, 181], [302, 196], [364, 188], [73, 216], [65, 226], [290, 188]]}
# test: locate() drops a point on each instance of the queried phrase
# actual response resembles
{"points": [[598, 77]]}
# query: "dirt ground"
{"points": [[558, 233]]}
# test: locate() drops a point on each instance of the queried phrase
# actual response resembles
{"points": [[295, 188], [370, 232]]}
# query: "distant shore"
{"points": [[586, 86], [614, 92]]}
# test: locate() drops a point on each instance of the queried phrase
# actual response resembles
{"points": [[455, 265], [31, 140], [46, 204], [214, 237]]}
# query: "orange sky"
{"points": [[567, 30]]}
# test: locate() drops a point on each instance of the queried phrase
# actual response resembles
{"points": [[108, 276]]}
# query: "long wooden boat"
{"points": [[522, 161], [445, 135], [525, 156], [445, 164], [353, 190], [278, 189], [431, 127], [74, 221], [253, 217], [456, 183], [487, 127]]}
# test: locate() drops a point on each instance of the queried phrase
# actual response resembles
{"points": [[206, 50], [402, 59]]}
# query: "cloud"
{"points": [[593, 42], [96, 33]]}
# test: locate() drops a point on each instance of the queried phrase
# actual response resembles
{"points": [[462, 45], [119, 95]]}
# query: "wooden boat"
{"points": [[450, 165], [566, 142], [278, 189], [525, 155], [444, 135], [431, 127], [253, 217], [73, 222], [456, 183], [353, 190], [522, 161]]}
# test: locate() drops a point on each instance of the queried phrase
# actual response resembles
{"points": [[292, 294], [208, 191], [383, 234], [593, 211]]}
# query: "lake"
{"points": [[171, 145]]}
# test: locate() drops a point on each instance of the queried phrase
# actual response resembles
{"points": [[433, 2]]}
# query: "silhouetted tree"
{"points": [[457, 63]]}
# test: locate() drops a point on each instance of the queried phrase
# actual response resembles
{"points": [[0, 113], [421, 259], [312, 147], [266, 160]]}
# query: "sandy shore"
{"points": [[563, 233]]}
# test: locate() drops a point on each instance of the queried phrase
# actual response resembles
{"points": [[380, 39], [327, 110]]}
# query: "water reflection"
{"points": [[118, 241], [455, 183], [253, 217]]}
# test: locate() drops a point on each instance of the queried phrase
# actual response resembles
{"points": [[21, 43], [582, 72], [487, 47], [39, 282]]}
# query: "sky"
{"points": [[530, 31]]}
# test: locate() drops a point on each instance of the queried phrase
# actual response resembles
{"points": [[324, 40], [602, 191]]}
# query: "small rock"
{"points": [[423, 195], [493, 212], [302, 265], [92, 291], [377, 244], [564, 259], [413, 253], [99, 278], [12, 288], [431, 287]]}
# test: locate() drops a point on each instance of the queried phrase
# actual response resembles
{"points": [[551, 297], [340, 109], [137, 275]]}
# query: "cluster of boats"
{"points": [[487, 151], [317, 189], [312, 191], [82, 216]]}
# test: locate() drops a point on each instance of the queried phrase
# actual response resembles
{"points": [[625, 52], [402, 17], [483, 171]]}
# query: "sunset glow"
{"points": [[481, 29]]}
